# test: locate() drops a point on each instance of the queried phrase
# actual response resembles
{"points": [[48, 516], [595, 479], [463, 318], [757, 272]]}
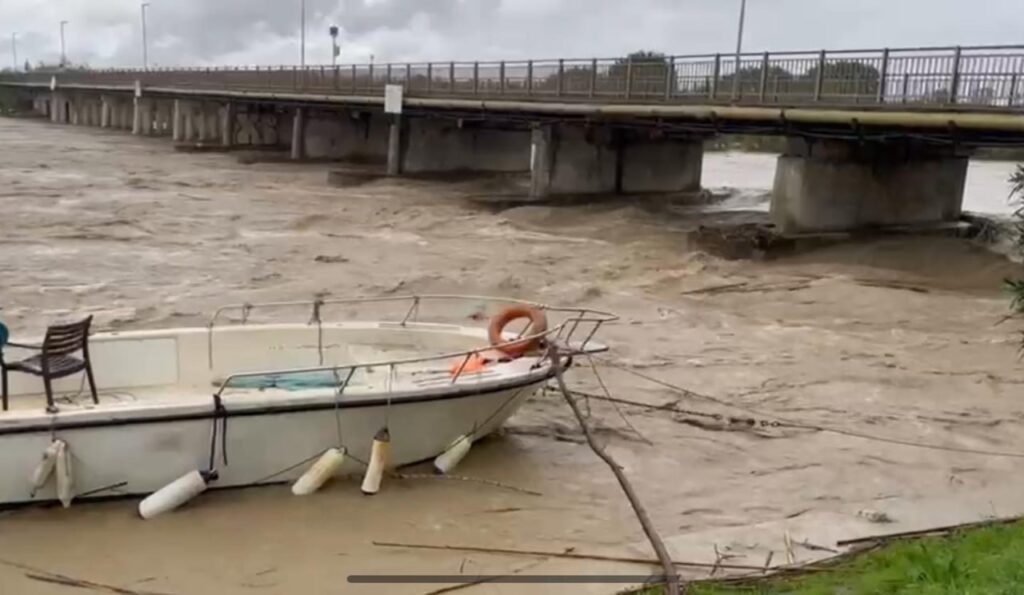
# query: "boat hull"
{"points": [[252, 446]]}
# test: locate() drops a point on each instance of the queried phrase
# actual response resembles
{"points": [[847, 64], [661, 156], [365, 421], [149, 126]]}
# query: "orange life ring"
{"points": [[538, 325]]}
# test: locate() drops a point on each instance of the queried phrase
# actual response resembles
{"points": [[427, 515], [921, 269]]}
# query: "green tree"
{"points": [[575, 80], [779, 81], [845, 79], [648, 71]]}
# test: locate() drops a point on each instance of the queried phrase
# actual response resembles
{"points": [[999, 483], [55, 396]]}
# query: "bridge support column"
{"points": [[830, 185], [206, 122], [298, 147], [58, 108], [394, 167], [227, 125], [447, 146], [74, 110], [95, 107], [202, 119], [125, 114], [142, 116], [177, 121], [569, 159], [188, 121], [106, 112], [541, 152], [163, 118], [85, 111]]}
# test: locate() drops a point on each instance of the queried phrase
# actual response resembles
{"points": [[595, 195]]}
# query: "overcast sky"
{"points": [[205, 32]]}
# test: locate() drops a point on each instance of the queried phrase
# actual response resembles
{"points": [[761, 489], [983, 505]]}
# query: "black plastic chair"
{"points": [[54, 359]]}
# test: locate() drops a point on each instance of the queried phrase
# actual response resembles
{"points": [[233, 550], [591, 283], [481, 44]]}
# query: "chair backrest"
{"points": [[66, 338]]}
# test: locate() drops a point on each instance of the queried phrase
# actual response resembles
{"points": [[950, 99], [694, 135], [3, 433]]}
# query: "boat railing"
{"points": [[577, 322]]}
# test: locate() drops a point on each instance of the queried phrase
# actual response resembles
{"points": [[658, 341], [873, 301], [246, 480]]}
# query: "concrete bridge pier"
{"points": [[106, 112], [39, 104], [58, 108], [394, 165], [298, 144], [163, 117], [211, 122], [73, 110], [142, 116], [833, 185], [178, 121], [447, 146], [92, 111], [124, 110], [572, 159], [197, 122], [228, 126], [349, 135]]}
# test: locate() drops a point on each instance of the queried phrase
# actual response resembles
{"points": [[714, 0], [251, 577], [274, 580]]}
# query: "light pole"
{"points": [[739, 34], [63, 51], [145, 42], [335, 50], [302, 19], [14, 50]]}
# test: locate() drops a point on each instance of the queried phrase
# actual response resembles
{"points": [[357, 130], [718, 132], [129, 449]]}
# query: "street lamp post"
{"points": [[14, 51], [63, 50], [302, 20], [739, 34], [145, 42], [334, 45]]}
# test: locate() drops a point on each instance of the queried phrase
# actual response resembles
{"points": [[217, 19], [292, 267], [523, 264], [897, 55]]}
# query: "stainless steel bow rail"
{"points": [[987, 77], [582, 321]]}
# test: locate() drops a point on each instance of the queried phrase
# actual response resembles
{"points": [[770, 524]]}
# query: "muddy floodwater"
{"points": [[895, 337]]}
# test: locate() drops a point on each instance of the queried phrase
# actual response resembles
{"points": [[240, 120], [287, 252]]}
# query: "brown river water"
{"points": [[895, 337]]}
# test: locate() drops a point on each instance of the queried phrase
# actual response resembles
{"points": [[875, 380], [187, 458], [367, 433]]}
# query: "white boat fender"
{"points": [[453, 455], [44, 469], [65, 477], [379, 455], [320, 472], [176, 493]]}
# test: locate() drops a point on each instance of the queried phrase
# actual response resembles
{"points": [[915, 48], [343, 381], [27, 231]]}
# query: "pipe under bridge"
{"points": [[875, 137]]}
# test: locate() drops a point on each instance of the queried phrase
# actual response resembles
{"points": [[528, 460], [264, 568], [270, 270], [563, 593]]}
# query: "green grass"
{"points": [[984, 561]]}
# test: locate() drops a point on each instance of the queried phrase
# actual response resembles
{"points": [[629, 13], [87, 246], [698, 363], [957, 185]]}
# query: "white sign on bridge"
{"points": [[393, 99]]}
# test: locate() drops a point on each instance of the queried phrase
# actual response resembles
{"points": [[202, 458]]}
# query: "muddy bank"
{"points": [[894, 337]]}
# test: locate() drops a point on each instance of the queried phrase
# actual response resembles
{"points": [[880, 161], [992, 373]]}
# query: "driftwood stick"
{"points": [[46, 576], [671, 576], [567, 555]]}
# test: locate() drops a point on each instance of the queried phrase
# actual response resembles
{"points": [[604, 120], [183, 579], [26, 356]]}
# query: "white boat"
{"points": [[257, 403]]}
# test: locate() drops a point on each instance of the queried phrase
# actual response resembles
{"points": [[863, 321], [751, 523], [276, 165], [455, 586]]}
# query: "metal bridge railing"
{"points": [[978, 77]]}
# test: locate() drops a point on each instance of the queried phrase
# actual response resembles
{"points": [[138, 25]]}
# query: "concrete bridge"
{"points": [[876, 137]]}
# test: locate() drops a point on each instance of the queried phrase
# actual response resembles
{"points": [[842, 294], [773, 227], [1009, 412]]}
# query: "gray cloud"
{"points": [[107, 32]]}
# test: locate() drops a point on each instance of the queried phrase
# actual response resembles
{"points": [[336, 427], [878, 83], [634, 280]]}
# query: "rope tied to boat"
{"points": [[318, 303], [220, 414], [339, 390]]}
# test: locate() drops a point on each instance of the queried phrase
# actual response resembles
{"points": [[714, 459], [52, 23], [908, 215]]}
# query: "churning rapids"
{"points": [[894, 337]]}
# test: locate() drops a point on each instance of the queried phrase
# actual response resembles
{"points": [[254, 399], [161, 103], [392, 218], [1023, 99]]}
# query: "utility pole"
{"points": [[14, 50], [739, 35], [302, 18], [145, 42], [63, 50]]}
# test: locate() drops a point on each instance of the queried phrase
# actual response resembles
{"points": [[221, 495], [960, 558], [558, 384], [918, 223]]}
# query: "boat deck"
{"points": [[372, 383]]}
